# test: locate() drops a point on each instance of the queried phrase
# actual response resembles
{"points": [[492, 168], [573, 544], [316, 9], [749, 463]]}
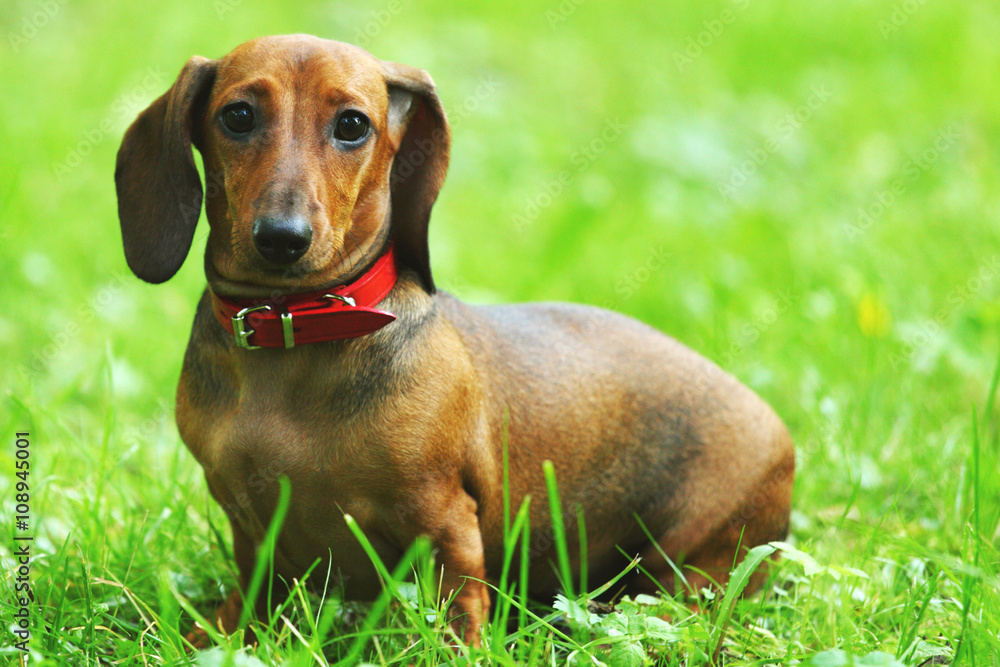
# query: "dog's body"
{"points": [[403, 428]]}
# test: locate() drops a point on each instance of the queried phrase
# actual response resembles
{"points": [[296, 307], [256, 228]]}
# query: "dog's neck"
{"points": [[337, 313]]}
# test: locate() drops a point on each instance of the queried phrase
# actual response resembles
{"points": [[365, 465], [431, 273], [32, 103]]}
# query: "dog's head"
{"points": [[315, 155]]}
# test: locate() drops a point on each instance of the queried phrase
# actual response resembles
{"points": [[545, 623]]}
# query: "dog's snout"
{"points": [[282, 240]]}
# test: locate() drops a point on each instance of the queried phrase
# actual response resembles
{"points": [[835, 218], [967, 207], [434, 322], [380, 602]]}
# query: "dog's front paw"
{"points": [[467, 611]]}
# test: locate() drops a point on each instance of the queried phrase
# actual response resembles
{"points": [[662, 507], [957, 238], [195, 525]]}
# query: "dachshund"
{"points": [[322, 351]]}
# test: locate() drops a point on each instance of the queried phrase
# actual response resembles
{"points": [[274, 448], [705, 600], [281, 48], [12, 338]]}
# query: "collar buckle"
{"points": [[242, 333]]}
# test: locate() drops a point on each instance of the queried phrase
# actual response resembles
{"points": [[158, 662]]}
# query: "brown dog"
{"points": [[318, 157]]}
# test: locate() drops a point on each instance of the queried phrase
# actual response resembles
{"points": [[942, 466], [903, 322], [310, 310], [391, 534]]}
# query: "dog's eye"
{"points": [[351, 126], [238, 118]]}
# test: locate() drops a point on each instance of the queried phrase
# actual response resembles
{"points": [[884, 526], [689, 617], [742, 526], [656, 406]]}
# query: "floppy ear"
{"points": [[159, 190], [420, 165]]}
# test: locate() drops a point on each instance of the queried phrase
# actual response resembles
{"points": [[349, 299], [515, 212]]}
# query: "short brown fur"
{"points": [[403, 428]]}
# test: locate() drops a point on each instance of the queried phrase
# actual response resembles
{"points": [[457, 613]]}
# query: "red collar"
{"points": [[342, 312]]}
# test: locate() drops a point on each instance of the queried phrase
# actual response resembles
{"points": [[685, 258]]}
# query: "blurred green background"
{"points": [[807, 193]]}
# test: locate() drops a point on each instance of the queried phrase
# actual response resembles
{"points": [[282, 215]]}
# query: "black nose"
{"points": [[282, 240]]}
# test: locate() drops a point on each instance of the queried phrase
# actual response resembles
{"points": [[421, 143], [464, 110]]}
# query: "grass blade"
{"points": [[969, 580], [418, 549], [582, 530], [558, 528], [265, 553], [737, 582]]}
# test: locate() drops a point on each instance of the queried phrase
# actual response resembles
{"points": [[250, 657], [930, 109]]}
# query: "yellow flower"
{"points": [[873, 316]]}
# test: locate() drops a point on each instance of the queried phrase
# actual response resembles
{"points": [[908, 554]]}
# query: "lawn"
{"points": [[807, 193]]}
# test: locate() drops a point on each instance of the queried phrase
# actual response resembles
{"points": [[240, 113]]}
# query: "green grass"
{"points": [[848, 273]]}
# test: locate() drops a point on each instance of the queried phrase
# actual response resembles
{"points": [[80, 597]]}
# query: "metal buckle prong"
{"points": [[286, 328], [343, 299], [241, 331]]}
